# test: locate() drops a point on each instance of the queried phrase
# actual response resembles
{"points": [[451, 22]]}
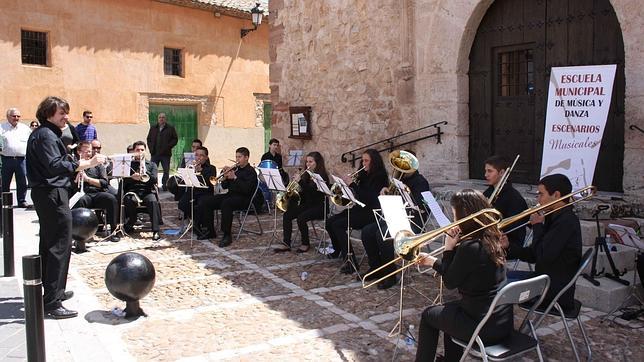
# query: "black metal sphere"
{"points": [[84, 224], [130, 276]]}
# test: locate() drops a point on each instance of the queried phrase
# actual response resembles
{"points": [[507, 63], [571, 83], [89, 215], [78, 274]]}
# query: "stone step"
{"points": [[609, 295], [623, 257]]}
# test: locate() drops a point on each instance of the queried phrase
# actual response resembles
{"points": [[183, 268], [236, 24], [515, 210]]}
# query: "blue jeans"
{"points": [[15, 166]]}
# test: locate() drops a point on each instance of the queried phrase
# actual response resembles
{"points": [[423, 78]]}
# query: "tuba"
{"points": [[403, 162]]}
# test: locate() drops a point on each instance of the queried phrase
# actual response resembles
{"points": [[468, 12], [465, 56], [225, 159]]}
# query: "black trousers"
{"points": [[303, 213], [151, 204], [165, 163], [55, 218], [455, 322], [379, 251], [336, 226], [227, 204], [101, 200]]}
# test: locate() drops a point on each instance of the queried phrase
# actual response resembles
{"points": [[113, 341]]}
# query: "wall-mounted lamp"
{"points": [[256, 17]]}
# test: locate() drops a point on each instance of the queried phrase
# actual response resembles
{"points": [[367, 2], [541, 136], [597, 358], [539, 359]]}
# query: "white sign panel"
{"points": [[578, 103]]}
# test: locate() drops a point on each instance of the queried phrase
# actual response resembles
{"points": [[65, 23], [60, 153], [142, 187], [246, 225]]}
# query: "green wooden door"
{"points": [[184, 120], [268, 108]]}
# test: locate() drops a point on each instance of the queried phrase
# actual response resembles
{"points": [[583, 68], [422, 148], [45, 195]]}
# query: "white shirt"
{"points": [[14, 139]]}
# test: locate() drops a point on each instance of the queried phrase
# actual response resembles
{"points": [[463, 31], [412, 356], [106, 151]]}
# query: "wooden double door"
{"points": [[516, 45]]}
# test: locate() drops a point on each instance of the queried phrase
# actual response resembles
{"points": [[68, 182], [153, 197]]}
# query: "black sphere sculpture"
{"points": [[84, 226], [130, 277]]}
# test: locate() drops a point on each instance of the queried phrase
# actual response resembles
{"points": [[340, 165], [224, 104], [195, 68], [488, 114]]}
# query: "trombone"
{"points": [[504, 179], [407, 246]]}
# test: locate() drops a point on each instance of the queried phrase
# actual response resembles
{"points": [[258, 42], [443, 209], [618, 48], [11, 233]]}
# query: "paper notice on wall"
{"points": [[578, 102], [295, 125], [303, 124]]}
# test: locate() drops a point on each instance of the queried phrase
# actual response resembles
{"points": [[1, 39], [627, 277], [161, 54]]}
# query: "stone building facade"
{"points": [[107, 56], [371, 69]]}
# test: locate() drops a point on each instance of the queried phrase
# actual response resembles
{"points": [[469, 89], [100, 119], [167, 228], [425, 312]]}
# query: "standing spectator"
{"points": [[86, 130], [70, 138], [33, 125], [49, 169], [161, 139], [274, 154], [14, 147]]}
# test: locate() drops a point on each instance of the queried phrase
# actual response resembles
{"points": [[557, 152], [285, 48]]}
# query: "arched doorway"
{"points": [[516, 44]]}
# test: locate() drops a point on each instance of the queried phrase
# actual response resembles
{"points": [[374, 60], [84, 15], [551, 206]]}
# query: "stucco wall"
{"points": [[440, 36], [107, 56]]}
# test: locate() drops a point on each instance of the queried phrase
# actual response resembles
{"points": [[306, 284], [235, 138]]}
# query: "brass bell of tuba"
{"points": [[402, 162], [293, 190]]}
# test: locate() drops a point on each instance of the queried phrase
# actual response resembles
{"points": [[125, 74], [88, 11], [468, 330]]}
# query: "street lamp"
{"points": [[256, 17]]}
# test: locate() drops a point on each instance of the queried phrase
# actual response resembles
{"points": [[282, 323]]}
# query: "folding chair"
{"points": [[518, 342], [571, 314], [242, 215]]}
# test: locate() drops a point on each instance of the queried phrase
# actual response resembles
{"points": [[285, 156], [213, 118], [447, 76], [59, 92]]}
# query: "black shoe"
{"points": [[115, 238], [225, 241], [128, 229], [23, 205], [333, 255], [61, 313], [68, 294], [388, 283], [156, 236], [206, 236]]}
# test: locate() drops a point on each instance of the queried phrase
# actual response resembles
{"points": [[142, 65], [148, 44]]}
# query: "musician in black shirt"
{"points": [[556, 242], [379, 251], [95, 188], [241, 182], [275, 155], [203, 168], [509, 201], [310, 207], [476, 267], [366, 187], [139, 192], [49, 169]]}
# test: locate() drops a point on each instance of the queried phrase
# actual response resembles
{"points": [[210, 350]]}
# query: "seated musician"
{"points": [[275, 155], [241, 182], [95, 188], [202, 167], [140, 192], [366, 187], [311, 206], [509, 201], [96, 148], [171, 184], [476, 267], [379, 251], [556, 242]]}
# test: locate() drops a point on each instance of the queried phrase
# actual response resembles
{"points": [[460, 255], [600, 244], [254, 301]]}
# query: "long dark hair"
{"points": [[468, 202], [320, 168]]}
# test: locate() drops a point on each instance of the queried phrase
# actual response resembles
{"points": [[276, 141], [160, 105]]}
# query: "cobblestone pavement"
{"points": [[247, 303]]}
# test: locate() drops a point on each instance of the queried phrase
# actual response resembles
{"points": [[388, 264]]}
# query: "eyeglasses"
{"points": [[96, 148], [15, 116], [33, 125]]}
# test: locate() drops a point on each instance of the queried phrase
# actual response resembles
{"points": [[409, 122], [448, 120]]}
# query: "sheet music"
{"points": [[272, 178], [394, 213], [190, 178], [320, 184], [436, 210], [121, 164], [402, 189], [188, 157], [346, 191]]}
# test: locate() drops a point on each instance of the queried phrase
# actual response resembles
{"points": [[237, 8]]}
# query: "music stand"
{"points": [[347, 194], [322, 187], [273, 181], [121, 168], [188, 179]]}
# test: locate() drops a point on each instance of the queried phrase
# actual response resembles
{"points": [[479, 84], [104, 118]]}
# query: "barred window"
{"points": [[172, 62], [516, 73], [34, 47]]}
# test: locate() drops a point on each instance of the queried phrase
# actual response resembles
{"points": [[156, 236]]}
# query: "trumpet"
{"points": [[217, 179], [407, 246], [336, 189], [143, 171], [354, 175]]}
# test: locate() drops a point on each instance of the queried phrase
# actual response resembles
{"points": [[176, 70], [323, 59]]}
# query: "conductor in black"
{"points": [[49, 169]]}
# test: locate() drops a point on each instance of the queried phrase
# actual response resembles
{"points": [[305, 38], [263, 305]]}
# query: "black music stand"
{"points": [[273, 180], [190, 180], [600, 244], [347, 194], [123, 163]]}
